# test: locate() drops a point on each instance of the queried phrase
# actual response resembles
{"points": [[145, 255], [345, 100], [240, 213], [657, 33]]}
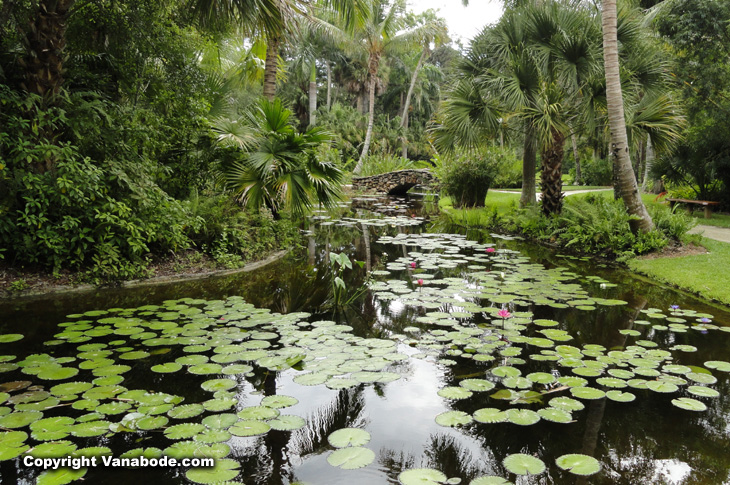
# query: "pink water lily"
{"points": [[413, 264], [420, 282], [490, 250], [504, 314]]}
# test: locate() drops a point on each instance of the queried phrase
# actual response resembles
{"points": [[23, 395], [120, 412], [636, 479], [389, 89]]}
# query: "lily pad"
{"points": [[453, 418], [279, 401], [579, 464], [523, 417], [477, 385], [555, 415], [689, 404], [422, 476], [258, 412], [348, 437], [287, 422], [619, 396], [587, 393], [522, 464], [224, 470], [455, 393], [249, 428], [702, 391], [490, 415], [62, 476], [351, 458]]}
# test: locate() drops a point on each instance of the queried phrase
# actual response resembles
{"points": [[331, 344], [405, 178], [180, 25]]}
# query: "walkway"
{"points": [[539, 194], [721, 234]]}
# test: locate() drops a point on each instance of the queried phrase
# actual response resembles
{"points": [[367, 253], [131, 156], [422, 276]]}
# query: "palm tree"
{"points": [[626, 179], [279, 169], [376, 34]]}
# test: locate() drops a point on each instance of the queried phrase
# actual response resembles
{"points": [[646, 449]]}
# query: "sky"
{"points": [[463, 22]]}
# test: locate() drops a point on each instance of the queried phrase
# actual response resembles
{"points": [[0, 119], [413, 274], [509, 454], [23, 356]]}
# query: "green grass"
{"points": [[568, 188], [703, 274], [718, 220], [500, 202]]}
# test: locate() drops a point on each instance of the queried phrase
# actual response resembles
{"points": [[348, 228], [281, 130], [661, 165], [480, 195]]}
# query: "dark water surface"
{"points": [[641, 442]]}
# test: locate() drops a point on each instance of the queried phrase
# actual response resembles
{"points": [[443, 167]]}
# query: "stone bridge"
{"points": [[394, 183]]}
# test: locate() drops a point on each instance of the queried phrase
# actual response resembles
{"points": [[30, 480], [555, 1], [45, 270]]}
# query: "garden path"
{"points": [[721, 234]]}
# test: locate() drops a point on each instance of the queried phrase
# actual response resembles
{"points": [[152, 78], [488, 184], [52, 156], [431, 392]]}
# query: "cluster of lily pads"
{"points": [[475, 314], [220, 339]]}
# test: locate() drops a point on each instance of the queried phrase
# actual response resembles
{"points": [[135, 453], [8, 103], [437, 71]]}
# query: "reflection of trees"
{"points": [[446, 454]]}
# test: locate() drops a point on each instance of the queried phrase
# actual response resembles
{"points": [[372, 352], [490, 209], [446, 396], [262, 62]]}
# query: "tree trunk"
{"points": [[270, 67], [619, 143], [649, 161], [578, 176], [529, 160], [373, 63], [46, 39], [329, 85], [414, 77], [552, 175], [369, 133], [313, 95], [360, 103], [404, 139]]}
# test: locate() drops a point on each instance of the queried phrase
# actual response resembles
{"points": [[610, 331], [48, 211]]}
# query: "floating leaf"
{"points": [[20, 419], [220, 421], [555, 414], [566, 403], [213, 385], [422, 476], [184, 431], [523, 417], [348, 437], [454, 393], [224, 470], [166, 368], [279, 401], [587, 393], [91, 428], [522, 464], [719, 365], [689, 404], [249, 428], [351, 458], [10, 337], [619, 396], [453, 418], [701, 391], [490, 415], [258, 412], [151, 422], [62, 476], [490, 480], [661, 386], [287, 422], [477, 385], [186, 411], [579, 464]]}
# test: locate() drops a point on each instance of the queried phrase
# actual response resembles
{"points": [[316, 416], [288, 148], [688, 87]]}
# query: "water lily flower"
{"points": [[413, 264], [504, 313], [674, 307], [705, 320], [490, 250], [420, 282]]}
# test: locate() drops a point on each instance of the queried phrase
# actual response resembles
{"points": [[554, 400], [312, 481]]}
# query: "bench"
{"points": [[707, 204]]}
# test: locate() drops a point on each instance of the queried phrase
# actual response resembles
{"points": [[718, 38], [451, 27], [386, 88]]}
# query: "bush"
{"points": [[467, 177], [375, 164], [594, 172]]}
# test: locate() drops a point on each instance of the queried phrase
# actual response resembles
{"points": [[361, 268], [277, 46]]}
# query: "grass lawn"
{"points": [[567, 188], [719, 220], [704, 274]]}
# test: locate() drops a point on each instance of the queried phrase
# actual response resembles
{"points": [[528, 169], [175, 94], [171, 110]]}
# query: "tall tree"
{"points": [[626, 178]]}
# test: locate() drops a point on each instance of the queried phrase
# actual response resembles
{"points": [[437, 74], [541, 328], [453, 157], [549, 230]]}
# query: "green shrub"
{"points": [[467, 177], [375, 164], [594, 172]]}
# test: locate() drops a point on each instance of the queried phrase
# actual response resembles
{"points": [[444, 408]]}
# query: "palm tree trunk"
{"points": [[529, 160], [552, 175], [404, 138], [270, 67], [414, 77], [649, 161], [313, 95], [329, 85], [578, 176], [625, 177], [371, 121]]}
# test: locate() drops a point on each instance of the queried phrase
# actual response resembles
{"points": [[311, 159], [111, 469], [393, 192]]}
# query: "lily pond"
{"points": [[390, 349]]}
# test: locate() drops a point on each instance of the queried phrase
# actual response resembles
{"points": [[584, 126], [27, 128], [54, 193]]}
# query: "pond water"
{"points": [[470, 358]]}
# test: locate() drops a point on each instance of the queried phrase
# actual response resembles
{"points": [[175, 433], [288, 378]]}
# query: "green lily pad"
{"points": [[184, 431], [10, 337], [348, 437], [490, 480], [689, 404], [661, 386], [719, 365], [249, 428], [702, 391], [69, 388], [579, 464], [62, 476], [619, 396], [453, 418], [213, 436], [91, 428], [522, 464], [220, 421], [555, 415], [506, 371], [20, 419], [566, 403], [490, 415], [701, 377], [186, 411], [213, 385], [258, 412], [454, 393], [312, 379], [51, 429], [279, 401], [351, 458], [166, 368], [541, 378], [422, 476], [224, 470], [152, 422], [287, 422], [53, 449], [523, 417], [477, 385], [587, 393]]}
